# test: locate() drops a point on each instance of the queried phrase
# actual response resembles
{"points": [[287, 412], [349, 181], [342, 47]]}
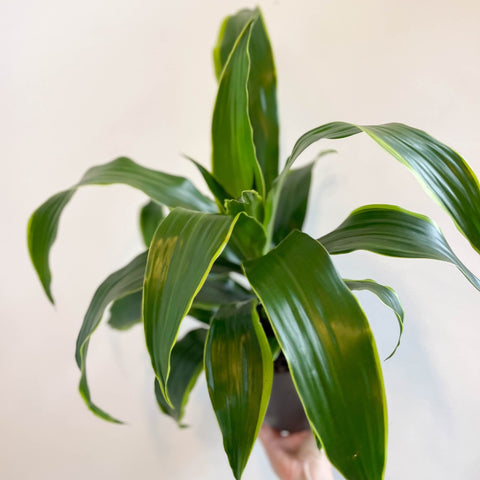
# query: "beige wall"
{"points": [[83, 82]]}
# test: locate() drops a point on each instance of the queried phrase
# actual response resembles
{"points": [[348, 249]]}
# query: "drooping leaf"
{"points": [[126, 311], [123, 282], [163, 188], [262, 84], [441, 170], [234, 162], [187, 363], [151, 215], [166, 189], [393, 231], [330, 350], [387, 295], [41, 233], [181, 255], [239, 370]]}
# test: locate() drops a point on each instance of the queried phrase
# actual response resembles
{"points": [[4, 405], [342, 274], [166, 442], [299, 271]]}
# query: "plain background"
{"points": [[84, 82]]}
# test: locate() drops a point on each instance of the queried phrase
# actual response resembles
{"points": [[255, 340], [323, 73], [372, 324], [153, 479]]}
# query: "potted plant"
{"points": [[240, 265]]}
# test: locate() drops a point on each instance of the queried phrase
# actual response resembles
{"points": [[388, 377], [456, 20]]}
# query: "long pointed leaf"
{"points": [[41, 234], [387, 295], [168, 190], [262, 96], [234, 162], [441, 170], [330, 350], [239, 370], [181, 255], [122, 282], [393, 231], [187, 363]]}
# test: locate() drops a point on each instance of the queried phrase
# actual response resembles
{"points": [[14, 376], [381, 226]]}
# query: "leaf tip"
{"points": [[237, 470], [48, 293], [393, 353], [164, 391]]}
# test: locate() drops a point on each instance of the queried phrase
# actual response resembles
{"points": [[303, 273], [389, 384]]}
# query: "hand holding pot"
{"points": [[295, 456]]}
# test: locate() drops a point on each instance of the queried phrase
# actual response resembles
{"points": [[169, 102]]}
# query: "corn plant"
{"points": [[228, 259]]}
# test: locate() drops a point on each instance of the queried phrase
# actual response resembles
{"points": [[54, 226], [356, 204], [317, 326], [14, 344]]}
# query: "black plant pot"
{"points": [[285, 411]]}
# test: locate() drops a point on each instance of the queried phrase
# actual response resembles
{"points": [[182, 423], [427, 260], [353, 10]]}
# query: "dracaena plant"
{"points": [[202, 252]]}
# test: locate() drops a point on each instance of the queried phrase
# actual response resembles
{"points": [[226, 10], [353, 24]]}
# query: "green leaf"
{"points": [[165, 189], [327, 342], [187, 363], [213, 184], [203, 315], [393, 231], [123, 282], [181, 255], [248, 238], [239, 370], [151, 215], [440, 170], [231, 28], [126, 311], [262, 84], [249, 202], [293, 199], [41, 233], [233, 156], [387, 295], [293, 202]]}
